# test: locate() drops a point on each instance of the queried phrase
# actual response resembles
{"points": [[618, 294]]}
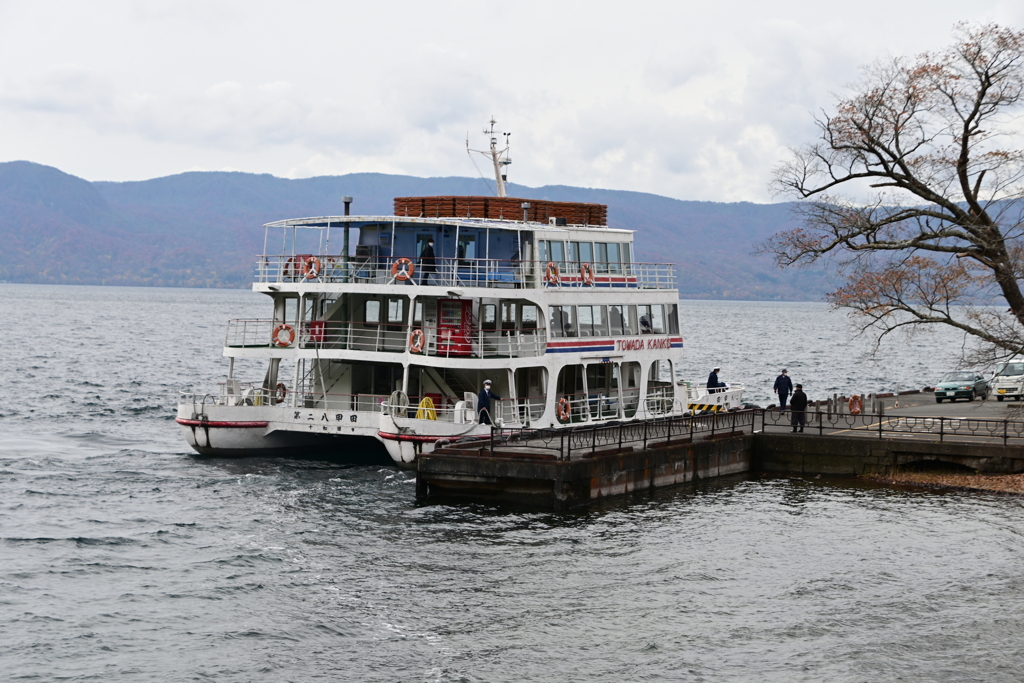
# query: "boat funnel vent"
{"points": [[557, 220]]}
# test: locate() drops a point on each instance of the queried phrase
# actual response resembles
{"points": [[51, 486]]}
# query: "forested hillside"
{"points": [[204, 229]]}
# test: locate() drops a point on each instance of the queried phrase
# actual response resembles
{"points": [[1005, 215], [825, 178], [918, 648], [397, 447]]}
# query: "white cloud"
{"points": [[697, 102]]}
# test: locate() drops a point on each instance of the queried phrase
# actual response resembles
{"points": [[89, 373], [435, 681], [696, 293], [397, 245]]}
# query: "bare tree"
{"points": [[913, 189]]}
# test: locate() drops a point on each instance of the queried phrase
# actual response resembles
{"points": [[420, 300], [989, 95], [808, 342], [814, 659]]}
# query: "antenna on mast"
{"points": [[499, 158]]}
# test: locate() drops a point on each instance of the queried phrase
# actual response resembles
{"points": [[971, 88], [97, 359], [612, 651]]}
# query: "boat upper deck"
{"points": [[478, 250]]}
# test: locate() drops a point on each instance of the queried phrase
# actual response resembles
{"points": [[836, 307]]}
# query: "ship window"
{"points": [[557, 250], [371, 315], [489, 317], [625, 257], [542, 250], [508, 315], [529, 317], [631, 327], [562, 324], [586, 252], [592, 320], [613, 258], [617, 320], [672, 313], [395, 307], [574, 251], [417, 313], [602, 258], [652, 319], [467, 248]]}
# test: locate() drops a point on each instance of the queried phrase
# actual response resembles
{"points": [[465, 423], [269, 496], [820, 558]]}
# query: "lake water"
{"points": [[124, 557]]}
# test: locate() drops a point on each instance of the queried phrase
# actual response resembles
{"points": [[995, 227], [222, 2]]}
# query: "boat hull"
{"points": [[247, 431]]}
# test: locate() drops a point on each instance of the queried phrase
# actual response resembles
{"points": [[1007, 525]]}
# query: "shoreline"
{"points": [[1012, 484]]}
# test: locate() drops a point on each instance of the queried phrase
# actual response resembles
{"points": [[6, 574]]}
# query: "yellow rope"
{"points": [[426, 410]]}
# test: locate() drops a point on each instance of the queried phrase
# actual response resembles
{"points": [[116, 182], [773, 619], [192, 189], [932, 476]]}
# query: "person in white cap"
{"points": [[483, 402], [713, 382]]}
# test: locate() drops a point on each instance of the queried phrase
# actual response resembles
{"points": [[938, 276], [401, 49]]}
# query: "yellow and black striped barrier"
{"points": [[713, 407]]}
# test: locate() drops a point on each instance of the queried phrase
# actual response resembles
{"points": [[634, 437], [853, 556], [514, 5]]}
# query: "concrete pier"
{"points": [[542, 481], [601, 466]]}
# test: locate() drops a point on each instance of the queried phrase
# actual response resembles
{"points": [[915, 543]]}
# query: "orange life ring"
{"points": [[276, 336], [311, 267], [855, 405], [564, 410], [291, 267], [403, 268], [587, 273], [416, 340], [280, 393], [551, 275]]}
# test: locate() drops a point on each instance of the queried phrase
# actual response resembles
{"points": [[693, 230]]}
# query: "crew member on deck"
{"points": [[713, 382], [428, 263], [483, 403]]}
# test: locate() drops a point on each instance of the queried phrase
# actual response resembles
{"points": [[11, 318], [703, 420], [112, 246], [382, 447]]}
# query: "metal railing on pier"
{"points": [[1004, 431], [564, 444]]}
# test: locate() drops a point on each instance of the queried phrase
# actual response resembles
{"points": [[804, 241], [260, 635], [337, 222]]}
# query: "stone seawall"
{"points": [[810, 454]]}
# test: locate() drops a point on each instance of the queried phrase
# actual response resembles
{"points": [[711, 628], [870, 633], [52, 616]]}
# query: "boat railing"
{"points": [[506, 410], [359, 335], [462, 272], [235, 393]]}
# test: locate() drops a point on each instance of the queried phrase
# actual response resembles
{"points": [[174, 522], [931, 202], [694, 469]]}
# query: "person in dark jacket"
{"points": [[798, 408], [713, 382], [428, 263], [483, 403], [783, 387]]}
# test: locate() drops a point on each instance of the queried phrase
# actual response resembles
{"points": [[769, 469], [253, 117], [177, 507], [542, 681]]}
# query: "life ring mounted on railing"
{"points": [[563, 410], [280, 393], [551, 274], [587, 273], [311, 268], [283, 335], [402, 269], [416, 340], [856, 405], [291, 268]]}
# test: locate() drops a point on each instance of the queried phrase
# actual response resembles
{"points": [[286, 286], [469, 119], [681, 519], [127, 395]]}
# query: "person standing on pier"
{"points": [[798, 407], [483, 403], [783, 387]]}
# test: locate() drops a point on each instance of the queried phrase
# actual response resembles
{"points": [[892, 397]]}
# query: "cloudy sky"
{"points": [[693, 100]]}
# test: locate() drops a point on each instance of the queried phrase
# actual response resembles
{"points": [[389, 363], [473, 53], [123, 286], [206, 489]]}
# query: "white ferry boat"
{"points": [[385, 345]]}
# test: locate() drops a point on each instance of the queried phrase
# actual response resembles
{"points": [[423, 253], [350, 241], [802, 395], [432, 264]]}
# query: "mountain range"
{"points": [[203, 229]]}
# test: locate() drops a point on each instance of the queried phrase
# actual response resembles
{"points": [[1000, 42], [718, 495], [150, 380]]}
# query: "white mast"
{"points": [[499, 158]]}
